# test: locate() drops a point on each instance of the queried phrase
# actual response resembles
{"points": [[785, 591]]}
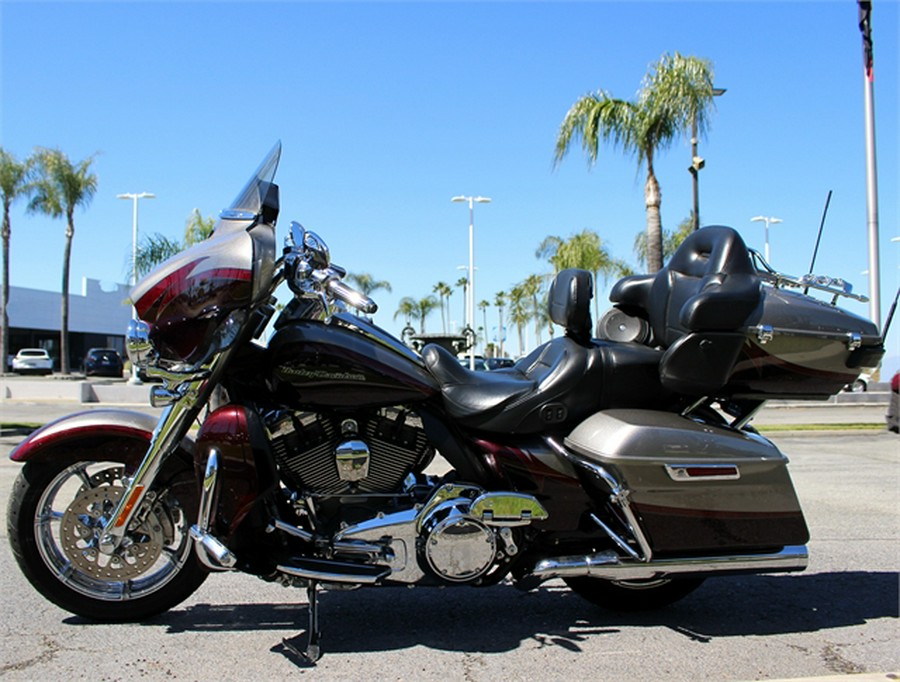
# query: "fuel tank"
{"points": [[346, 362]]}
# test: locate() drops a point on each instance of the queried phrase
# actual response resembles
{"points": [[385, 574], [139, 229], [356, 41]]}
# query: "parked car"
{"points": [[500, 363], [32, 361], [480, 365], [103, 362]]}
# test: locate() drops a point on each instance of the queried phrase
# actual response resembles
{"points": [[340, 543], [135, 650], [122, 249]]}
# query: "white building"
{"points": [[98, 318]]}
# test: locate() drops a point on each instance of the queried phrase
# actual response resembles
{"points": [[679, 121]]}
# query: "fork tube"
{"points": [[171, 428]]}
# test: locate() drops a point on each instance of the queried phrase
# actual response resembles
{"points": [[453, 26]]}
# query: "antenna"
{"points": [[887, 325], [812, 263]]}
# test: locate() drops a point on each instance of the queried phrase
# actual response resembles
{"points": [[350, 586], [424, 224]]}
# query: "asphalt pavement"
{"points": [[837, 620]]}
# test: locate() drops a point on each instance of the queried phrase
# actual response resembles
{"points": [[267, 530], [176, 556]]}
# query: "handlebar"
{"points": [[311, 274], [351, 296]]}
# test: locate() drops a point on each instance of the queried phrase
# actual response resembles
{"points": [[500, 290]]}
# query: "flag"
{"points": [[865, 27]]}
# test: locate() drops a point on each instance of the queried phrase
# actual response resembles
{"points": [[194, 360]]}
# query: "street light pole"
{"points": [[767, 220], [134, 230], [470, 302], [697, 162]]}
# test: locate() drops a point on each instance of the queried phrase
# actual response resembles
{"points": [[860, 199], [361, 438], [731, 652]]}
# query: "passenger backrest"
{"points": [[709, 284], [697, 305], [569, 303]]}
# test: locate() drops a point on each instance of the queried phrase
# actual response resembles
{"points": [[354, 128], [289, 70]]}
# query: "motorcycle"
{"points": [[623, 463]]}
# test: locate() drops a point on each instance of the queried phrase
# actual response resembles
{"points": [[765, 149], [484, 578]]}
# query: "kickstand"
{"points": [[313, 652]]}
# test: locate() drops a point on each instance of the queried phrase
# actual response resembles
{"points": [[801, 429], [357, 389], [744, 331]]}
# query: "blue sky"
{"points": [[387, 110]]}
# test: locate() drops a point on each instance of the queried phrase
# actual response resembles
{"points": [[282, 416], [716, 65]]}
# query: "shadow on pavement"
{"points": [[498, 619]]}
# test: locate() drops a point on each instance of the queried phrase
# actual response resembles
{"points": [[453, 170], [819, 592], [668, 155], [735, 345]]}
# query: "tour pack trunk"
{"points": [[802, 348], [696, 488]]}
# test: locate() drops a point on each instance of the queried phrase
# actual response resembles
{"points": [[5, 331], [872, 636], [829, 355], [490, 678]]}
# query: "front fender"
{"points": [[84, 429]]}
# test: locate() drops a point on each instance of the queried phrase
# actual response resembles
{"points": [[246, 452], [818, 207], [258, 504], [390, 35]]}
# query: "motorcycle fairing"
{"points": [[187, 298]]}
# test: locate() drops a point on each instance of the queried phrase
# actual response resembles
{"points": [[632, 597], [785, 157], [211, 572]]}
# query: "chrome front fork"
{"points": [[173, 424]]}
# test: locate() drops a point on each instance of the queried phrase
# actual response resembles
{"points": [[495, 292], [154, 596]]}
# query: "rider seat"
{"points": [[561, 382], [558, 382]]}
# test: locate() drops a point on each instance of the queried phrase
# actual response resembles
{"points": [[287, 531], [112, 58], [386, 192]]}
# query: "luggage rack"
{"points": [[835, 286]]}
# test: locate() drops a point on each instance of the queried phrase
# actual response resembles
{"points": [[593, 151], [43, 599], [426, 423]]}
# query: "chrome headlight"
{"points": [[137, 344]]}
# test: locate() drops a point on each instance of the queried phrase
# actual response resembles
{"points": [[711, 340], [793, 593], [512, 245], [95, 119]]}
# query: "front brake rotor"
{"points": [[81, 527]]}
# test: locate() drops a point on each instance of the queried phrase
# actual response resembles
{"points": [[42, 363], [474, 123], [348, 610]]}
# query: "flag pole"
{"points": [[865, 27]]}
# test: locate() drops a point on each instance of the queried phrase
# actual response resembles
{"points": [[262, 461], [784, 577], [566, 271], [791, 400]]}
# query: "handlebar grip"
{"points": [[352, 297]]}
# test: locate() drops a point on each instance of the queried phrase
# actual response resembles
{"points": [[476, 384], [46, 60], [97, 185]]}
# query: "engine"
{"points": [[366, 452], [350, 471], [459, 535]]}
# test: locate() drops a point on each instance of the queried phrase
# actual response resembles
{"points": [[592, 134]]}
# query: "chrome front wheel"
{"points": [[56, 515]]}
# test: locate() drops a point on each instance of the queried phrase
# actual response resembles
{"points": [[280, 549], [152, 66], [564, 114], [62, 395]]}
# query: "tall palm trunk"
{"points": [[64, 317], [652, 201]]}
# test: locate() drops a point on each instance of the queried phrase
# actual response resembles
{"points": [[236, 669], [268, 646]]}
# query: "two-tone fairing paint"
{"points": [[333, 365], [186, 298]]}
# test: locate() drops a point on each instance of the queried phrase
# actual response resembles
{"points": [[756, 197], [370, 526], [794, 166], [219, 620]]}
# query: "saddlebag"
{"points": [[695, 488]]}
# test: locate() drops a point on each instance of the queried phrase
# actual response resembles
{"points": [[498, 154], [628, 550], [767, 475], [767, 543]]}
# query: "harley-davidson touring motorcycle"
{"points": [[620, 459]]}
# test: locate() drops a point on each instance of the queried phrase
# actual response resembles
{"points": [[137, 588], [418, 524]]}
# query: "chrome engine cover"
{"points": [[456, 537], [458, 547]]}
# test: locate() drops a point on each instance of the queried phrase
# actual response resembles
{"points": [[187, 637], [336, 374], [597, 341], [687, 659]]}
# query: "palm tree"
{"points": [[416, 309], [407, 309], [500, 302], [197, 228], [424, 306], [366, 284], [519, 313], [13, 184], [463, 283], [531, 288], [584, 250], [675, 92], [152, 250], [484, 305], [671, 240], [443, 290], [59, 188]]}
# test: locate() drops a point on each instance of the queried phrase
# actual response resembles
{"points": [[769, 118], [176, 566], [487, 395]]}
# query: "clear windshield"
{"points": [[251, 197]]}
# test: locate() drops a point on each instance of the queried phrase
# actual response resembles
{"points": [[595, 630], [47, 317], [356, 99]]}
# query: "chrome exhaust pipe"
{"points": [[610, 566]]}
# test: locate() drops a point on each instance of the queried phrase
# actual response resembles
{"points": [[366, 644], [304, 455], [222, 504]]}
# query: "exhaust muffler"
{"points": [[610, 566]]}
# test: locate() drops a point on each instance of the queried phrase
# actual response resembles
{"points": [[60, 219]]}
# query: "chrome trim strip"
{"points": [[236, 214], [212, 553]]}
